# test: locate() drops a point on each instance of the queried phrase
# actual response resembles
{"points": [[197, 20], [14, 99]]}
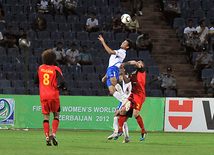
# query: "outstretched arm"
{"points": [[133, 63], [110, 51]]}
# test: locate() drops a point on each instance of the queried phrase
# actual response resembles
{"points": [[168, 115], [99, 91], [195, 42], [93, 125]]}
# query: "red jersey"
{"points": [[138, 80], [48, 81]]}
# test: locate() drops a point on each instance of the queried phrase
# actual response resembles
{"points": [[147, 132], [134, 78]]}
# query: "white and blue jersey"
{"points": [[115, 61], [127, 87]]}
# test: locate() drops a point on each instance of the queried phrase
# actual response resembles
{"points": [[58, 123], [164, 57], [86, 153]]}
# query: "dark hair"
{"points": [[119, 12], [201, 21], [49, 57], [190, 20], [10, 27], [93, 13], [73, 44], [21, 29], [84, 46], [59, 43], [130, 43]]}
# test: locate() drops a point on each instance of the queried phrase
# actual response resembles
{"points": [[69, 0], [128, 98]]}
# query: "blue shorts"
{"points": [[119, 106], [112, 71]]}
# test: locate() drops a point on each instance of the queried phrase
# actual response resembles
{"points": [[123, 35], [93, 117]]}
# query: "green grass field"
{"points": [[95, 142]]}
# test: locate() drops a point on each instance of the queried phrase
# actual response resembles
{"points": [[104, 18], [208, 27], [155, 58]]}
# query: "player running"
{"points": [[127, 91], [115, 60], [137, 97], [50, 79]]}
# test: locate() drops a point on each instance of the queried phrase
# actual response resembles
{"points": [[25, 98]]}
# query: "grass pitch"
{"points": [[84, 142]]}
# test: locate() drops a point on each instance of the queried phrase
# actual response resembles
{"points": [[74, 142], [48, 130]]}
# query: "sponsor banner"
{"points": [[85, 112], [189, 115], [7, 109]]}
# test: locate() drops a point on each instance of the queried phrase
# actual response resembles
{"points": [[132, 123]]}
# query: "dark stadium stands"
{"points": [[84, 80]]}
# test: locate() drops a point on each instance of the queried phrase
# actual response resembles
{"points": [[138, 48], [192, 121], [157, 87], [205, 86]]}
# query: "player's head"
{"points": [[140, 62], [49, 57], [127, 44]]}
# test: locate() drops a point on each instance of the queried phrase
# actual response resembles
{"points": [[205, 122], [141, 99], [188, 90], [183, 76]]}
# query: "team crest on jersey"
{"points": [[7, 109]]}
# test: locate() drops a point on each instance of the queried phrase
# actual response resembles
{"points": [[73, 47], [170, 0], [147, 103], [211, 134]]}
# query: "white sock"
{"points": [[117, 96], [125, 129], [115, 124]]}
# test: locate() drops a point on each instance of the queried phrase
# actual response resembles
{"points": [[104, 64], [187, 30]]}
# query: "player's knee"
{"points": [[136, 115], [123, 112], [111, 92]]}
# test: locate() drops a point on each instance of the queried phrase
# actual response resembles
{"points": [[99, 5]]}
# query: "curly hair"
{"points": [[49, 57]]}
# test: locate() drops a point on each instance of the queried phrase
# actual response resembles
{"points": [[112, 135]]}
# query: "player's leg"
{"points": [[118, 88], [139, 119], [46, 112], [122, 119], [126, 132], [112, 77], [55, 108], [46, 128], [55, 125], [115, 124]]}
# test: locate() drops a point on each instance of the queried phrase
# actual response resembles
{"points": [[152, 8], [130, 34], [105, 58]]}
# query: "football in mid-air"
{"points": [[125, 18]]}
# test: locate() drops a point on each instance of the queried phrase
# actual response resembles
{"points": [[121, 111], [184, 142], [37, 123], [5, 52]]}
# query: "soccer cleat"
{"points": [[126, 140], [118, 135], [53, 138], [48, 142], [143, 136], [112, 136]]}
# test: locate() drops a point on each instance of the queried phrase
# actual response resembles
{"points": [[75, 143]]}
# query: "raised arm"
{"points": [[133, 63], [109, 50]]}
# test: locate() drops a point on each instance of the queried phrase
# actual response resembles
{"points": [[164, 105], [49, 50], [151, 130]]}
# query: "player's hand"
{"points": [[103, 79], [101, 38]]}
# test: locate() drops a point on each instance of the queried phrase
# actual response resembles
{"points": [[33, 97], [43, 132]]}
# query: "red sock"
{"points": [[55, 125], [122, 119], [140, 122], [46, 127]]}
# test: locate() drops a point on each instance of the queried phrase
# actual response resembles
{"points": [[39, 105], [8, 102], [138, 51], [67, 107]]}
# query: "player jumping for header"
{"points": [[50, 79], [115, 60]]}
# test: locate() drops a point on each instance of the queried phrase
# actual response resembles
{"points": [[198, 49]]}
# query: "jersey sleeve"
{"points": [[61, 80], [173, 82], [97, 22], [212, 81]]}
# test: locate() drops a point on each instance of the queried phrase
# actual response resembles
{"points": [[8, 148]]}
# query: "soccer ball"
{"points": [[125, 18]]}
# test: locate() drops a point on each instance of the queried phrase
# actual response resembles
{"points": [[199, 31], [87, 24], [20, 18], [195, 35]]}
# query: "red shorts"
{"points": [[136, 100], [50, 106]]}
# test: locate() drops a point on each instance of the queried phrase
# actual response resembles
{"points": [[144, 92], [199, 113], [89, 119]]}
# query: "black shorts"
{"points": [[129, 113]]}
